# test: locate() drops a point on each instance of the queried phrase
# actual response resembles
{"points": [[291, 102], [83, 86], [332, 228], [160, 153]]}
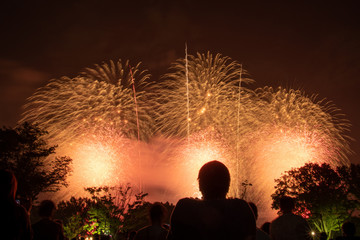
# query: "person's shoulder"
{"points": [[186, 209], [261, 235], [299, 218], [38, 225], [236, 203], [276, 220], [188, 202]]}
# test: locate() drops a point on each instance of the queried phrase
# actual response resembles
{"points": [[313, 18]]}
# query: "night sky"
{"points": [[309, 45]]}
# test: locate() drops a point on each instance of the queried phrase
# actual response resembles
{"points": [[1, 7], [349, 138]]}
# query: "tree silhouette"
{"points": [[24, 151], [324, 195]]}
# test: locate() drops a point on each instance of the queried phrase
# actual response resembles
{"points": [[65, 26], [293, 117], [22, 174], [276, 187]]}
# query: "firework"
{"points": [[202, 112], [92, 118], [290, 130], [100, 98], [263, 132], [213, 86]]}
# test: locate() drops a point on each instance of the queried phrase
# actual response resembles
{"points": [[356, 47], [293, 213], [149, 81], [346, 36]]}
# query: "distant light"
{"points": [[313, 233]]}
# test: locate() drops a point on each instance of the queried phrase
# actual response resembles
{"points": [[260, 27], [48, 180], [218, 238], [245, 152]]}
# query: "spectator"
{"points": [[155, 231], [260, 234], [47, 228], [348, 230], [289, 226], [213, 217], [14, 221], [266, 227]]}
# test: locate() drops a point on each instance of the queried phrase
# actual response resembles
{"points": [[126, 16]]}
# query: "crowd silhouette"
{"points": [[212, 217]]}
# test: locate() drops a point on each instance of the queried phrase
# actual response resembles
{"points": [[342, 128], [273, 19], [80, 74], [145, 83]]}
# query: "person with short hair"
{"points": [[348, 230], [14, 220], [47, 228], [266, 227], [155, 231], [289, 226], [214, 216]]}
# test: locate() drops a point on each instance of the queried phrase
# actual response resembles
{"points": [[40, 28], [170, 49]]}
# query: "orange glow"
{"points": [[278, 150], [202, 148]]}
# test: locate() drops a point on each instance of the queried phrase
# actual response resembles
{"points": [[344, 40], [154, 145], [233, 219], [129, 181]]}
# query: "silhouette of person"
{"points": [[266, 227], [348, 230], [214, 216], [260, 234], [14, 221], [289, 226], [47, 228], [155, 231]]}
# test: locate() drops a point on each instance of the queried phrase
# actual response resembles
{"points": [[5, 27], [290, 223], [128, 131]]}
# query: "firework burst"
{"points": [[204, 112], [100, 98], [94, 110], [213, 85], [290, 130]]}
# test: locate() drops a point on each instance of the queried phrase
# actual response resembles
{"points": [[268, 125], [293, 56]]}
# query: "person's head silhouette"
{"points": [[348, 229], [157, 214], [47, 209], [287, 204], [214, 180]]}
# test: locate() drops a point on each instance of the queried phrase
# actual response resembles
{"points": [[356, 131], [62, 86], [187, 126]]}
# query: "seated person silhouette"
{"points": [[155, 231], [214, 216], [47, 228], [14, 221]]}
